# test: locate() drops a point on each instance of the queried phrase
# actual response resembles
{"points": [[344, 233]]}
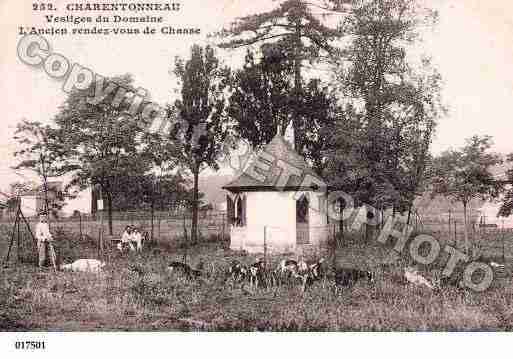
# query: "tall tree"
{"points": [[391, 104], [464, 174], [100, 142], [297, 30], [408, 132], [260, 97], [260, 104], [319, 109], [160, 151], [39, 152], [423, 108], [201, 111], [507, 205]]}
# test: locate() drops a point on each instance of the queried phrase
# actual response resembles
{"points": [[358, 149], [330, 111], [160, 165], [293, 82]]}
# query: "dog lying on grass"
{"points": [[412, 276], [84, 265]]}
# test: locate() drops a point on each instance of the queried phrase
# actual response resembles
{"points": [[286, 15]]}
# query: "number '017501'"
{"points": [[29, 345]]}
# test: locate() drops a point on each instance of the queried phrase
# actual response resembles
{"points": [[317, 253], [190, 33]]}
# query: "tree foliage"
{"points": [[464, 174], [167, 192], [100, 142], [507, 206], [40, 152], [260, 99], [261, 104], [380, 146], [201, 110], [294, 30]]}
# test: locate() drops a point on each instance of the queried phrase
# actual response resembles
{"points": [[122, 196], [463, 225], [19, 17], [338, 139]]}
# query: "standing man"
{"points": [[44, 239]]}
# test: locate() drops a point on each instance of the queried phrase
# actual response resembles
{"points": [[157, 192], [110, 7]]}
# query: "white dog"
{"points": [[414, 277], [84, 265], [497, 265]]}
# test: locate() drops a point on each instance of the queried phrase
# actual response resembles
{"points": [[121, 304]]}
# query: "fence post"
{"points": [[503, 244], [98, 244], [222, 233], [18, 243], [185, 240], [100, 237], [334, 247], [152, 218], [80, 224], [450, 228], [455, 233], [265, 246], [159, 218], [475, 241]]}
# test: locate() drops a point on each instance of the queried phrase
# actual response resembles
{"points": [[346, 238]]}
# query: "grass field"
{"points": [[121, 299]]}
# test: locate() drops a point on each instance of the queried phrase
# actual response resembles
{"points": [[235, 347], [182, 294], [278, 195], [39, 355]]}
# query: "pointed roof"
{"points": [[277, 150]]}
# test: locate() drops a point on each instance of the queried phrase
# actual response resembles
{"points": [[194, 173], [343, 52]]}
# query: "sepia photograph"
{"points": [[255, 166]]}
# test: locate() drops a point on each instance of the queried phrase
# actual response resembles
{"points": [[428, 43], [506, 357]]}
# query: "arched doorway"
{"points": [[302, 220], [240, 211]]}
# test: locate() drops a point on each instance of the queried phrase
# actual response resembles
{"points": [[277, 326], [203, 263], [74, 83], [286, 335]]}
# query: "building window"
{"points": [[302, 207], [302, 219], [230, 209], [236, 210]]}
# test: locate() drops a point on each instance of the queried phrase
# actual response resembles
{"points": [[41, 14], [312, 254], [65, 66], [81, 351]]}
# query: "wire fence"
{"points": [[89, 235], [487, 240], [310, 241], [160, 224]]}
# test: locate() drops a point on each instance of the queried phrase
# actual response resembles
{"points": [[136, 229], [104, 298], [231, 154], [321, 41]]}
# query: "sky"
{"points": [[471, 47]]}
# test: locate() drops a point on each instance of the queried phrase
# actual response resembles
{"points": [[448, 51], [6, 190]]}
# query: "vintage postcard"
{"points": [[240, 166]]}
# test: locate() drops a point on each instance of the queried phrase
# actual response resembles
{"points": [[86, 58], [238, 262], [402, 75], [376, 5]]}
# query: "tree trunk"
{"points": [[409, 214], [465, 231], [341, 222], [297, 87], [194, 228], [45, 189], [152, 214], [109, 211]]}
